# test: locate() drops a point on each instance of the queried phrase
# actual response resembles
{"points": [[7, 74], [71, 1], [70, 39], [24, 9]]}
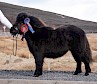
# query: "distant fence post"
{"points": [[4, 29], [49, 65]]}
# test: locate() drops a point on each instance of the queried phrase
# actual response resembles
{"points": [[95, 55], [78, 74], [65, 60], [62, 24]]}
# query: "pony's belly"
{"points": [[54, 54]]}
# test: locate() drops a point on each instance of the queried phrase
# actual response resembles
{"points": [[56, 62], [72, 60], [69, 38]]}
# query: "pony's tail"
{"points": [[88, 53]]}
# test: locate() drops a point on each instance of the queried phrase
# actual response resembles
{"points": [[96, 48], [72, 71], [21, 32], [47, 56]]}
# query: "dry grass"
{"points": [[95, 59], [6, 46], [93, 44], [93, 41]]}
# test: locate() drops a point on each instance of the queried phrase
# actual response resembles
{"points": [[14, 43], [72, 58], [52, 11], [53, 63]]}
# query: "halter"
{"points": [[24, 27]]}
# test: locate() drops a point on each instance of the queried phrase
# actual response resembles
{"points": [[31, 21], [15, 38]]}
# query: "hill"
{"points": [[51, 19]]}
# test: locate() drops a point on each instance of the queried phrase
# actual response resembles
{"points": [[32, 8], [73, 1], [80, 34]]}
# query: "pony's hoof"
{"points": [[36, 75], [77, 72], [86, 74]]}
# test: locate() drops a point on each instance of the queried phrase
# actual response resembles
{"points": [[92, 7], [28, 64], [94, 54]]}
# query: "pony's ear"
{"points": [[21, 17], [24, 16]]}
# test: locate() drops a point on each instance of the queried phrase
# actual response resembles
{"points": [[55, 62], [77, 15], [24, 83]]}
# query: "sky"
{"points": [[81, 9]]}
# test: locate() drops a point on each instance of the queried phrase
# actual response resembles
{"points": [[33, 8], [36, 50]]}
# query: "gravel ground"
{"points": [[47, 75]]}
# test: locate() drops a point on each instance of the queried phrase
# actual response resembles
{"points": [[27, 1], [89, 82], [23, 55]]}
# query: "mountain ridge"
{"points": [[51, 19]]}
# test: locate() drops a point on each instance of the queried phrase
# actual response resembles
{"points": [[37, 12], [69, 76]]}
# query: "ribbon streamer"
{"points": [[26, 21]]}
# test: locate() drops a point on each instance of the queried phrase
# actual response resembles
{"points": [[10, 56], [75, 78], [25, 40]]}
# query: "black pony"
{"points": [[50, 43]]}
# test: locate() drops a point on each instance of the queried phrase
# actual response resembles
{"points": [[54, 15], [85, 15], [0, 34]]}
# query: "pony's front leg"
{"points": [[39, 65]]}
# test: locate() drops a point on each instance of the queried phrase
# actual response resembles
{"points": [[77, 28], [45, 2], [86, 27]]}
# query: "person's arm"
{"points": [[4, 20]]}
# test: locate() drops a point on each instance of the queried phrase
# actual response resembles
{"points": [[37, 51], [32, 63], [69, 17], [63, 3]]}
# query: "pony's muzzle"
{"points": [[14, 31]]}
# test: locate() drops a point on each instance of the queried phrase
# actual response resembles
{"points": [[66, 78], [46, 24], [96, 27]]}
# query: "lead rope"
{"points": [[15, 48]]}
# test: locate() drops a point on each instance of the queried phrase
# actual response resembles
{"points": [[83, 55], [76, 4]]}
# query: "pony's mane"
{"points": [[37, 22], [43, 23]]}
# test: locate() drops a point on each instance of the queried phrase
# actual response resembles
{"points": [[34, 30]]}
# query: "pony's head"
{"points": [[19, 27], [16, 28]]}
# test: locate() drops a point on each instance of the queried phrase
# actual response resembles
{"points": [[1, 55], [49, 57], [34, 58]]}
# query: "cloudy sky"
{"points": [[82, 9]]}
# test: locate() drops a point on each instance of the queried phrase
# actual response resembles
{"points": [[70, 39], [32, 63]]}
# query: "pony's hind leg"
{"points": [[78, 68], [79, 58], [87, 66], [78, 61]]}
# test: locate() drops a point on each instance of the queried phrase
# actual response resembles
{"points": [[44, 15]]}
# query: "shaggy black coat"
{"points": [[50, 43]]}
